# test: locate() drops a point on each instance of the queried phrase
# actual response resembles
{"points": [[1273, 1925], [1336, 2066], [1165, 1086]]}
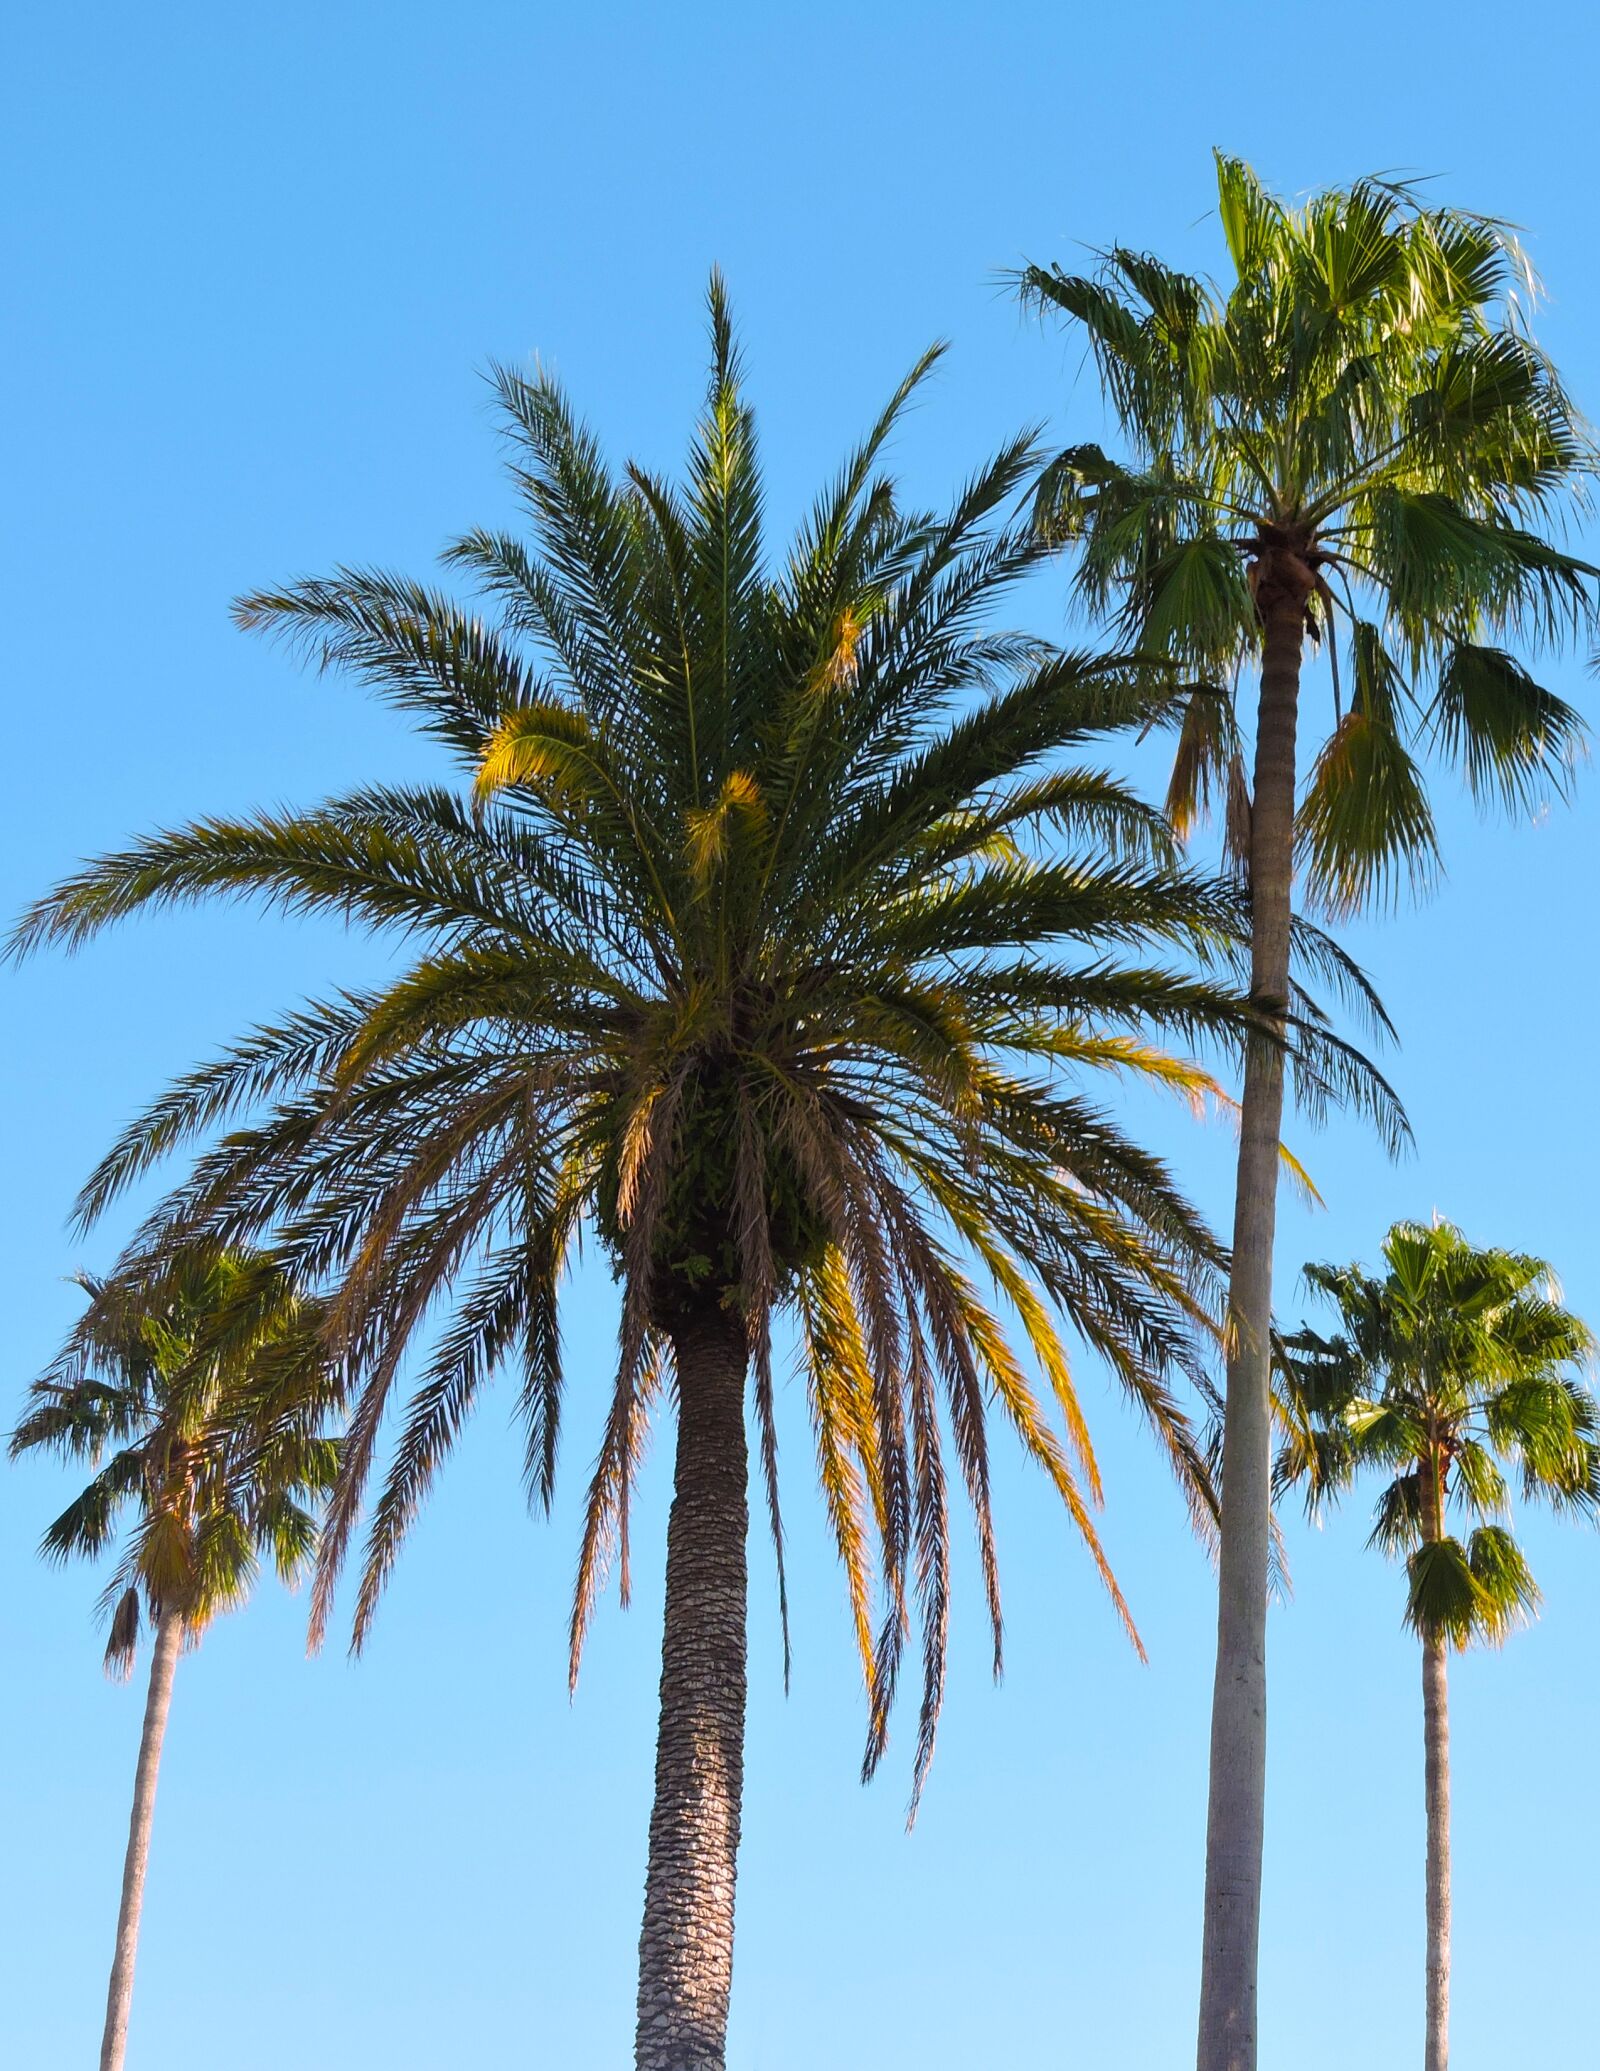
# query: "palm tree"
{"points": [[1455, 1364], [1353, 442], [198, 1400], [780, 947]]}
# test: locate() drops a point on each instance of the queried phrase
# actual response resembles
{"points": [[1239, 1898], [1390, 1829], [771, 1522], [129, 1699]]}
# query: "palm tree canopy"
{"points": [[1453, 1366], [1361, 412], [779, 944], [199, 1398]]}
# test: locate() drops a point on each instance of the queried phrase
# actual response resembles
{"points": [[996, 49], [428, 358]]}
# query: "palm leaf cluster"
{"points": [[201, 1398], [1453, 1366], [1363, 412]]}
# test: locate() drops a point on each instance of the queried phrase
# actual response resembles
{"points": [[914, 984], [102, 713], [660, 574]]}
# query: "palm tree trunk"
{"points": [[158, 1702], [1436, 1741], [686, 1946], [1436, 1786], [1235, 1818]]}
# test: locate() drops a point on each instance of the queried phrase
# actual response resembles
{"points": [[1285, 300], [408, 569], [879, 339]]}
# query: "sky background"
{"points": [[258, 261]]}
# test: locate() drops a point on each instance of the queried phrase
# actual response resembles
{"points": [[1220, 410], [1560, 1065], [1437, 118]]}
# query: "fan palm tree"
{"points": [[198, 1399], [780, 945], [1457, 1363], [1354, 443]]}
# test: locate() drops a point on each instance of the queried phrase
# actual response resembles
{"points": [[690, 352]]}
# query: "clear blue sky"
{"points": [[257, 258]]}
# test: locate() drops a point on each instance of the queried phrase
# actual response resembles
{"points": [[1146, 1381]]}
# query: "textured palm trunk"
{"points": [[158, 1702], [1436, 1741], [1235, 1817], [686, 1946]]}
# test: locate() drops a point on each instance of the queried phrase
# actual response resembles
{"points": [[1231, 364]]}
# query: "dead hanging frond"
{"points": [[122, 1642], [637, 1139], [1238, 820], [1208, 743], [649, 1179]]}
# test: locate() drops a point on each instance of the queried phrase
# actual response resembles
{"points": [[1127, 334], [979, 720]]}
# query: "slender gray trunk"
{"points": [[1436, 1783], [1236, 1812], [158, 1701], [686, 1946], [1436, 1741]]}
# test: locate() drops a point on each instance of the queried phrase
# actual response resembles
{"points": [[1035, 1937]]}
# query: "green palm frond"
{"points": [[1365, 819], [1514, 739], [1443, 1597], [409, 643]]}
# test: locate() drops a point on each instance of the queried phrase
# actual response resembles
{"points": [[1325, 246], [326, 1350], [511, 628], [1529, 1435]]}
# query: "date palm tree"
{"points": [[1453, 1366], [198, 1399], [1352, 443], [780, 945]]}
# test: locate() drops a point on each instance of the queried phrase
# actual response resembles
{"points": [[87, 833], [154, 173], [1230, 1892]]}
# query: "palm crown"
{"points": [[776, 945], [1455, 1364], [199, 1399], [1361, 420]]}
